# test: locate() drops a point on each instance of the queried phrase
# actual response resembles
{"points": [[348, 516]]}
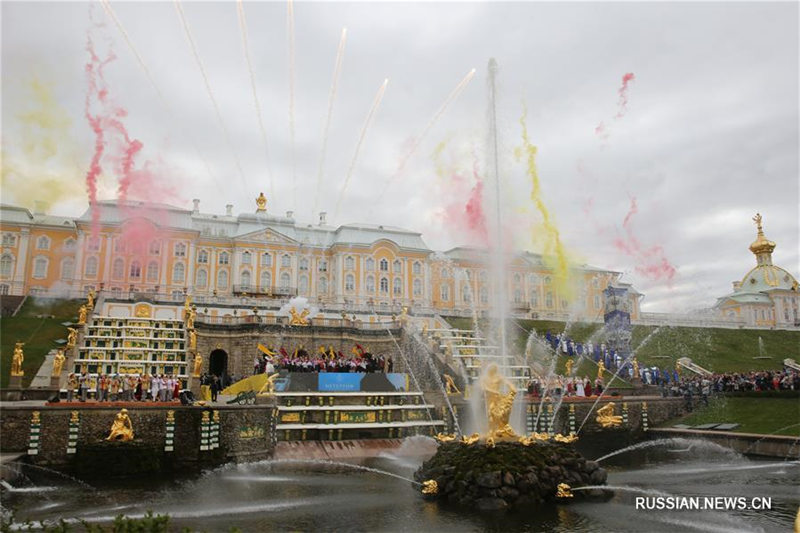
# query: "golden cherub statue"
{"points": [[567, 439], [472, 439], [563, 491], [17, 359], [430, 487], [498, 404], [261, 203], [444, 437], [269, 386], [82, 312], [90, 299], [569, 364], [72, 338], [58, 362], [121, 429], [600, 369], [606, 417], [198, 365], [298, 319], [450, 385]]}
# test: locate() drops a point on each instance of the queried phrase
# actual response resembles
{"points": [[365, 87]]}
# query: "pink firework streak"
{"points": [[652, 263]]}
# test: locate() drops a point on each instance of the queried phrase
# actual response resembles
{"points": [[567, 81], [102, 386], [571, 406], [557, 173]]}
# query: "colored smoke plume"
{"points": [[463, 215], [555, 255], [602, 130], [651, 261]]}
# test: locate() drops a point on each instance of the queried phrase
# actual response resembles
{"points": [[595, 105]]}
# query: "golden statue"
{"points": [[444, 437], [562, 491], [198, 365], [72, 338], [187, 306], [192, 339], [17, 359], [450, 385], [498, 405], [472, 439], [90, 299], [600, 368], [269, 385], [58, 362], [430, 487], [261, 203], [567, 439], [757, 219], [403, 318], [190, 314], [569, 364], [121, 429], [298, 319], [635, 368], [606, 417], [82, 315]]}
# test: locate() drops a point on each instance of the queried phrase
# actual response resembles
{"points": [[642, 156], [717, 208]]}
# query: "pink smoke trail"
{"points": [[464, 215], [622, 103], [652, 262]]}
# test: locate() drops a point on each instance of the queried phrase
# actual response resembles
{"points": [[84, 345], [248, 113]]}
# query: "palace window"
{"points": [[3, 289], [178, 273], [349, 282], [384, 284], [224, 258], [416, 268], [597, 302], [69, 244], [483, 276], [547, 280], [397, 287], [548, 300], [40, 268], [484, 295], [445, 293], [90, 269], [397, 267], [136, 270], [6, 265], [202, 257], [286, 260], [534, 299], [445, 273], [370, 284], [93, 245], [322, 266], [202, 278], [246, 258], [285, 280], [322, 286], [180, 250], [384, 265], [369, 264], [266, 259], [222, 279], [417, 285], [517, 296], [155, 248], [303, 265], [303, 284], [9, 239], [466, 295], [67, 268], [152, 271], [246, 279], [349, 263], [517, 279], [266, 280], [43, 243], [118, 269]]}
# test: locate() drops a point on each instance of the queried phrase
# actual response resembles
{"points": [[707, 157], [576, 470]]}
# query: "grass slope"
{"points": [[719, 350], [769, 416], [38, 334]]}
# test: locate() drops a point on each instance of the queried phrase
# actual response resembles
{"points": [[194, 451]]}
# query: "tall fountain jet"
{"points": [[498, 251]]}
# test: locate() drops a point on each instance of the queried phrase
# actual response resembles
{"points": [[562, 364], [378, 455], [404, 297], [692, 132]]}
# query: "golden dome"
{"points": [[761, 245]]}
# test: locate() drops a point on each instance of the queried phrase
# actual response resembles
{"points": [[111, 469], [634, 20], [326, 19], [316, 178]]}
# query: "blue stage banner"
{"points": [[340, 382]]}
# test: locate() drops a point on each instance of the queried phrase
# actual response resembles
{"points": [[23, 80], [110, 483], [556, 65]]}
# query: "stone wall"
{"points": [[245, 433]]}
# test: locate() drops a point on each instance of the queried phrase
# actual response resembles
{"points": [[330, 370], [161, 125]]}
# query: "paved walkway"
{"points": [[42, 378]]}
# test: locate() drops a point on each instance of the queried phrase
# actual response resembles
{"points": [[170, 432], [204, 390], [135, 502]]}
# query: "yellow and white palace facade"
{"points": [[266, 257]]}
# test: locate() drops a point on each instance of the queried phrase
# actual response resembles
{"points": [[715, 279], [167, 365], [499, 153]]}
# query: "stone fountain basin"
{"points": [[509, 474]]}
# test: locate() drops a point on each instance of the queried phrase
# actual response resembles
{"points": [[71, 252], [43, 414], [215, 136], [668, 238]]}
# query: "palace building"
{"points": [[132, 247], [767, 296]]}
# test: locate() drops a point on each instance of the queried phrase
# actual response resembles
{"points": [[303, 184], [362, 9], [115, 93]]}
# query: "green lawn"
{"points": [[719, 350], [38, 334], [755, 415]]}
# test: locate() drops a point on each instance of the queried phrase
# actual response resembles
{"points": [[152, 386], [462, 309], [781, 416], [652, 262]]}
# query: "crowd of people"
{"points": [[558, 386], [123, 388], [323, 360]]}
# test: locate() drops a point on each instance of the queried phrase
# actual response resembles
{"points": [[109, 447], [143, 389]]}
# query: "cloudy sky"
{"points": [[708, 137]]}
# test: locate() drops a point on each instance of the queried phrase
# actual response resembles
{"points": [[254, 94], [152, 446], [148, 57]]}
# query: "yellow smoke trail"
{"points": [[334, 84], [256, 101], [113, 16], [555, 256], [290, 36], [364, 128], [199, 62], [39, 160]]}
